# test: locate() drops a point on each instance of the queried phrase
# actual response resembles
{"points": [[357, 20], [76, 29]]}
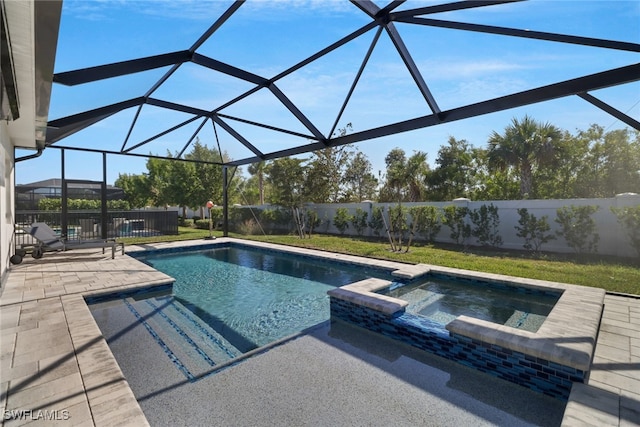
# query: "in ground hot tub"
{"points": [[545, 345]]}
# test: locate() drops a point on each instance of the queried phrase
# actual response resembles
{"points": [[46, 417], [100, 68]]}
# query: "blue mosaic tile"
{"points": [[176, 361], [537, 374], [165, 288], [182, 333], [212, 338]]}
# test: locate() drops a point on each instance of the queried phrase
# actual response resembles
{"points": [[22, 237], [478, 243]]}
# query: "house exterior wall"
{"points": [[7, 177]]}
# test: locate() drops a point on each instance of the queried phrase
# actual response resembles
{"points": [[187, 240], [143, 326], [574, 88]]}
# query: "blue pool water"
{"points": [[442, 300], [254, 297], [228, 300]]}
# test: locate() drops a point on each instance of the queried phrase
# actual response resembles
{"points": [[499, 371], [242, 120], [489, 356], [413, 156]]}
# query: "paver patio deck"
{"points": [[55, 363], [611, 396]]}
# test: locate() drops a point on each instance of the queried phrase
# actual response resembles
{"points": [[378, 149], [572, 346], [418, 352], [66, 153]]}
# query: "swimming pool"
{"points": [[228, 300], [548, 360], [251, 296]]}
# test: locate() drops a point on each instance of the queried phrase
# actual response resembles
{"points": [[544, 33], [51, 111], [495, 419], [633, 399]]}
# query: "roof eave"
{"points": [[33, 31]]}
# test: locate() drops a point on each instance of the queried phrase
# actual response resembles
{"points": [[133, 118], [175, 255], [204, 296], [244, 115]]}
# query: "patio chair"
{"points": [[48, 240]]}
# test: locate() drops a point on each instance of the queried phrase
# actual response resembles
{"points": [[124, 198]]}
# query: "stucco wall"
{"points": [[7, 177], [613, 238]]}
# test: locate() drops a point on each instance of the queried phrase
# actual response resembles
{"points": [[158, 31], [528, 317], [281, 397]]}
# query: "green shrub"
{"points": [[398, 218], [397, 226], [578, 228], [275, 216], [216, 216], [486, 221], [116, 205], [455, 219], [185, 222], [273, 219], [50, 204], [313, 220], [55, 204], [533, 230], [425, 220], [249, 228], [377, 221], [202, 224], [629, 217], [239, 214], [359, 221], [341, 219]]}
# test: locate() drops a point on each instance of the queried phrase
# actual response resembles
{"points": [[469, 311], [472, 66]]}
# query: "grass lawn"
{"points": [[614, 275]]}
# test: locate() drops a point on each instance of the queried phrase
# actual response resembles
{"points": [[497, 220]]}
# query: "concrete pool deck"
{"points": [[54, 357]]}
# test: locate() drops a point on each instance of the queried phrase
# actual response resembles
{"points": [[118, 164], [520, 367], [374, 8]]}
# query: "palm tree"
{"points": [[525, 145], [258, 169], [416, 173], [405, 178]]}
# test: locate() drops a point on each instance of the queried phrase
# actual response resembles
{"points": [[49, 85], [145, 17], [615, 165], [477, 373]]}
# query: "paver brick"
{"points": [[614, 339], [62, 391]]}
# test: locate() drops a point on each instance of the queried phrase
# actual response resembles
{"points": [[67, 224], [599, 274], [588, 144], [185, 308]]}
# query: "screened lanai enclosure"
{"points": [[388, 68]]}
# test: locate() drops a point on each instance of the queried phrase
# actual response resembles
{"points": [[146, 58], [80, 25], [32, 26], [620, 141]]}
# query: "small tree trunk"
{"points": [[296, 218], [526, 181], [387, 228], [261, 188], [412, 233]]}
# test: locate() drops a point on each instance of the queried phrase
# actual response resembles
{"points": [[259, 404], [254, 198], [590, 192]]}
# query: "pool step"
{"points": [[193, 347], [211, 338], [525, 321], [420, 299]]}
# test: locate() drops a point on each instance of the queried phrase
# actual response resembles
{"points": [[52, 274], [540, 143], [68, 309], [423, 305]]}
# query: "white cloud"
{"points": [[457, 68], [203, 9]]}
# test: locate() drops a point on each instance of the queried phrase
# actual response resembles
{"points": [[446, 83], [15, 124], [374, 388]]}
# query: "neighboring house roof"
{"points": [[57, 183]]}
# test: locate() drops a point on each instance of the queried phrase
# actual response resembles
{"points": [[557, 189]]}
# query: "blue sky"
{"points": [[267, 37]]}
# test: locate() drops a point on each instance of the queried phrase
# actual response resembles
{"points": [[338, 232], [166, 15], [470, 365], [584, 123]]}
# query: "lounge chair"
{"points": [[48, 240]]}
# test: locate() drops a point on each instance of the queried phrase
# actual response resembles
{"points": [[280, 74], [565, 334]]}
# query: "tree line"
{"points": [[527, 160]]}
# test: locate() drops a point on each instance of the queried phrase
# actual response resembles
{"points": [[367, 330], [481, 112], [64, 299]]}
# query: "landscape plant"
{"points": [[485, 221], [326, 221], [201, 224], [313, 221], [55, 204], [359, 221], [629, 218], [397, 226], [274, 218], [249, 227], [455, 217], [534, 231], [342, 219], [425, 221], [376, 223], [185, 222], [578, 228]]}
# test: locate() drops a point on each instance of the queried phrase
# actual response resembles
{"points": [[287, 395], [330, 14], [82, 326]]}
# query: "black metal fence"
{"points": [[88, 224]]}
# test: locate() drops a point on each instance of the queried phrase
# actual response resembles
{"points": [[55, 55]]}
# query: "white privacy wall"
{"points": [[613, 239]]}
